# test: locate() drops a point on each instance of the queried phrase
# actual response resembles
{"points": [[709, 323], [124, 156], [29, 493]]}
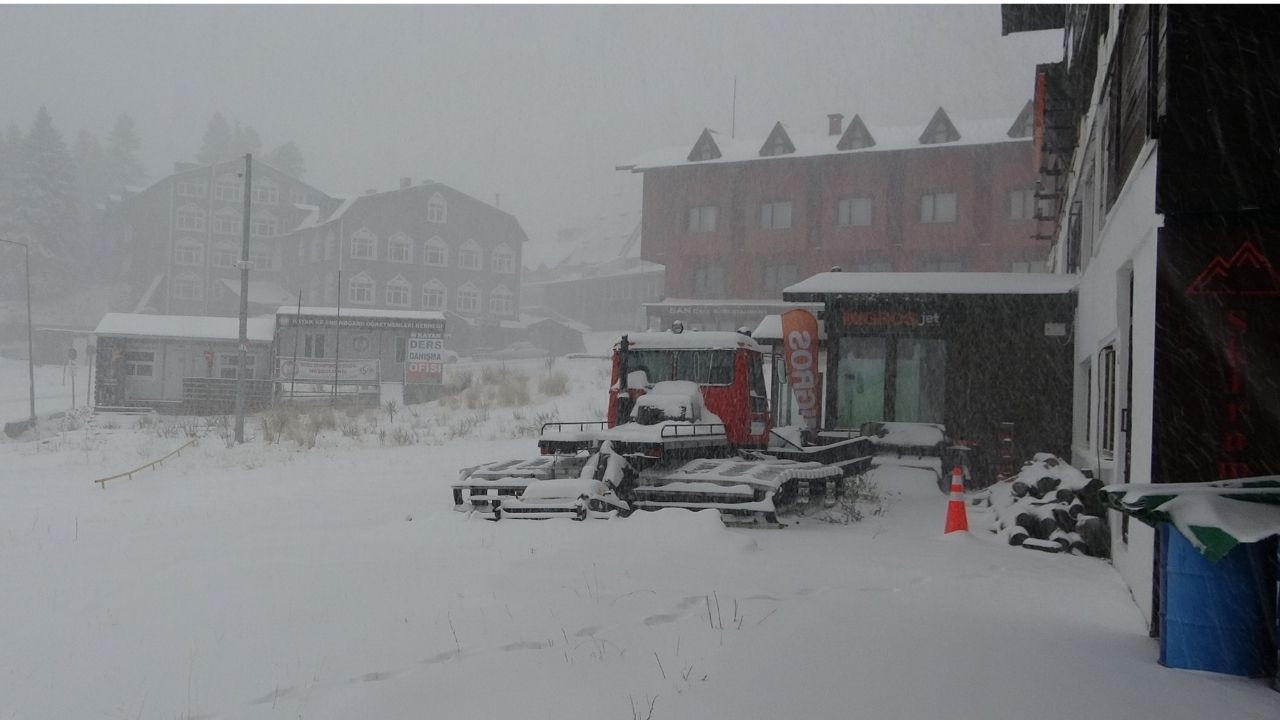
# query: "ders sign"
{"points": [[800, 351], [424, 360]]}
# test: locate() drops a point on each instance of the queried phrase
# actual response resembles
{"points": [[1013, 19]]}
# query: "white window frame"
{"points": [[437, 209], [435, 286], [938, 208], [262, 258], [136, 360], [229, 362], [403, 291], [503, 260], [364, 245], [855, 211], [702, 219], [468, 249], [191, 189], [191, 218], [1022, 203], [188, 252], [468, 299], [266, 192], [262, 225], [228, 222], [776, 215], [400, 241], [224, 255], [502, 301], [228, 188], [361, 289], [438, 245]]}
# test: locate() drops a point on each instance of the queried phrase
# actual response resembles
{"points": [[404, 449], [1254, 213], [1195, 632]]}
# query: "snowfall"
{"points": [[268, 580]]}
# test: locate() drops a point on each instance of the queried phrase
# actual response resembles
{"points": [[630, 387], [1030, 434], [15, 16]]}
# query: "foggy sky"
{"points": [[537, 104]]}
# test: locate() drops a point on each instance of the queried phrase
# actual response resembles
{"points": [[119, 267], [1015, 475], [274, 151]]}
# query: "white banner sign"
{"points": [[424, 360], [318, 370]]}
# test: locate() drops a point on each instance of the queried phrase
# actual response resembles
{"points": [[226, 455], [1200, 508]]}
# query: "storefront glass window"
{"points": [[919, 388], [860, 386]]}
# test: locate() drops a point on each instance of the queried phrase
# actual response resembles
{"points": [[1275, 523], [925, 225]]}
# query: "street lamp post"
{"points": [[31, 358]]}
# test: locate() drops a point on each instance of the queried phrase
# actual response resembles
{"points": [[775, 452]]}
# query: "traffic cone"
{"points": [[957, 518]]}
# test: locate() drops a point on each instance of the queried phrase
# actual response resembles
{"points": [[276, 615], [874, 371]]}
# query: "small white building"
{"points": [[180, 363]]}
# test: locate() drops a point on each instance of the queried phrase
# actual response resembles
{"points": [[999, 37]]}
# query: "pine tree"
{"points": [[123, 167], [216, 145], [10, 164], [245, 140], [287, 158], [44, 207], [91, 181]]}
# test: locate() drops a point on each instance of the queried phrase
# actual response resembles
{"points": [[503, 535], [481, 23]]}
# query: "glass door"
{"points": [[920, 380], [860, 385]]}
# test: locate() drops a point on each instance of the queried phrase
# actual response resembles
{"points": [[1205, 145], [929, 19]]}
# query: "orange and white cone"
{"points": [[957, 518]]}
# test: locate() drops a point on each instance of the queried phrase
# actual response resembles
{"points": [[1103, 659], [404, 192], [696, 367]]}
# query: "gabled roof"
{"points": [[938, 125], [778, 143], [1018, 128], [856, 136], [705, 148]]}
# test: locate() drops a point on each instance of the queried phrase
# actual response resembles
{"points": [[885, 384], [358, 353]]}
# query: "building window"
{"points": [[187, 287], [190, 217], [943, 266], [434, 295], [364, 244], [140, 363], [313, 345], [1107, 406], [228, 188], [779, 275], [229, 363], [938, 207], [702, 219], [468, 298], [437, 252], [469, 256], [360, 289], [261, 258], [1022, 204], [501, 301], [775, 215], [191, 189], [504, 261], [227, 222], [709, 281], [224, 255], [188, 251], [398, 292], [437, 209], [266, 193], [400, 248], [854, 211], [264, 226], [1030, 266]]}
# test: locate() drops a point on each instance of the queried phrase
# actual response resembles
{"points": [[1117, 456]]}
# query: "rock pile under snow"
{"points": [[1049, 506]]}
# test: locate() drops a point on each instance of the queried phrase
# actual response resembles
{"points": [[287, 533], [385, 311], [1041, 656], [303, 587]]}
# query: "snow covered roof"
{"points": [[361, 312], [770, 328], [691, 340], [929, 283], [886, 138], [722, 302], [184, 326]]}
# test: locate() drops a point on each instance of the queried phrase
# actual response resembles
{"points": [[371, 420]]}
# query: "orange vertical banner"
{"points": [[800, 352]]}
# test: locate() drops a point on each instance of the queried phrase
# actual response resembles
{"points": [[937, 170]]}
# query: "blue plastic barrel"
{"points": [[1213, 615]]}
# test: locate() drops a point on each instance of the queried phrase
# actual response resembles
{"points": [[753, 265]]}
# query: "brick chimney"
{"points": [[835, 124]]}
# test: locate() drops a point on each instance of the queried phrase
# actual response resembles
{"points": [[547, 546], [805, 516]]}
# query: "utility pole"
{"points": [[31, 358], [244, 299]]}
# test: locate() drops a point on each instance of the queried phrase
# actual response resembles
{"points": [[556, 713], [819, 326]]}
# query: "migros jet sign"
{"points": [[800, 352]]}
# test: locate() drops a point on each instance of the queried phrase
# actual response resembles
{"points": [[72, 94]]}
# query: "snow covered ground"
{"points": [[53, 392], [269, 581]]}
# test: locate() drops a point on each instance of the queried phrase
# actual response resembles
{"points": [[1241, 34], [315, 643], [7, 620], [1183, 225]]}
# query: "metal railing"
{"points": [[102, 482], [692, 430]]}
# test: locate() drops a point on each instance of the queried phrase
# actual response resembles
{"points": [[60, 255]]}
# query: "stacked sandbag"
{"points": [[1049, 506]]}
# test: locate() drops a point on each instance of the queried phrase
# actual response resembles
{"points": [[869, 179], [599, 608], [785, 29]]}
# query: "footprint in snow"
{"points": [[441, 657], [661, 619], [588, 631], [526, 645], [374, 677], [274, 695]]}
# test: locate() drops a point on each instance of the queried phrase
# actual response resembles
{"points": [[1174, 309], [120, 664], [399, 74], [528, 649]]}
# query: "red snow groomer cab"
{"points": [[727, 367]]}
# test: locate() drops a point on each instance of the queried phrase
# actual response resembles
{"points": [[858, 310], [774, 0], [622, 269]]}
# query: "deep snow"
{"points": [[265, 581]]}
